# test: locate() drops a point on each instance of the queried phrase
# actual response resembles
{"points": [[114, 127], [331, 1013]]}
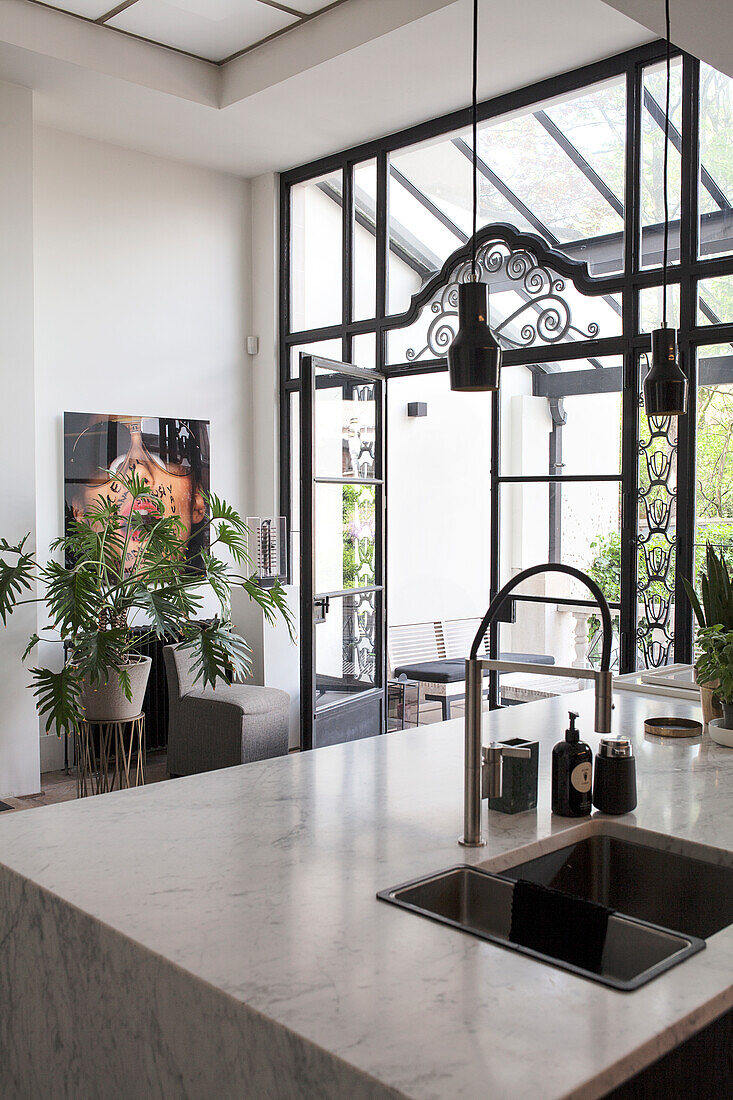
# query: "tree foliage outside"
{"points": [[358, 535]]}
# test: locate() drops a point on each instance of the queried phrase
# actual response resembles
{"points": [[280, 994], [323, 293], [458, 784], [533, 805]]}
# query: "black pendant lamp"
{"points": [[474, 357], [665, 386]]}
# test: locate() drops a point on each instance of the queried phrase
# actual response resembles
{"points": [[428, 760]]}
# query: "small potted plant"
{"points": [[714, 607], [715, 663], [121, 564]]}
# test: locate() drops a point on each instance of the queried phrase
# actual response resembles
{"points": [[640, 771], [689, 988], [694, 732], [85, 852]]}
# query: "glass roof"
{"points": [[556, 170]]}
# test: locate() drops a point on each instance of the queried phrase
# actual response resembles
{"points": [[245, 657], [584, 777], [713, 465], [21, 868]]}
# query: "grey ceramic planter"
{"points": [[108, 702]]}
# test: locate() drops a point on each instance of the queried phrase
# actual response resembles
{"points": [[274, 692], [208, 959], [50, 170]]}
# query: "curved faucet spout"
{"points": [[551, 567], [476, 666]]}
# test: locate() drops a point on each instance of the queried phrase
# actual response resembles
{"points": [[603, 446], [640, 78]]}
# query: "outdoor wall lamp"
{"points": [[474, 357]]}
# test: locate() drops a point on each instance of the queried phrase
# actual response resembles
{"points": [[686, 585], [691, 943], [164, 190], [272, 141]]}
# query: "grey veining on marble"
{"points": [[228, 924]]}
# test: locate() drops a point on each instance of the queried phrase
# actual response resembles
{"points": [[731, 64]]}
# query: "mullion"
{"points": [[347, 480], [565, 601], [347, 255], [339, 593], [542, 479], [687, 425], [629, 565]]}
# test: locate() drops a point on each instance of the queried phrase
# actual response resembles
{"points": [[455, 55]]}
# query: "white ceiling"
{"points": [[214, 30], [351, 74], [703, 28]]}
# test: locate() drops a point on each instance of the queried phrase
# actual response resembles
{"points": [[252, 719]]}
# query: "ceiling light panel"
{"points": [[213, 29], [90, 9]]}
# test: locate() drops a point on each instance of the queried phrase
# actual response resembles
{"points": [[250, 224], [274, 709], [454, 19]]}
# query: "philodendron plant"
{"points": [[122, 567], [715, 660]]}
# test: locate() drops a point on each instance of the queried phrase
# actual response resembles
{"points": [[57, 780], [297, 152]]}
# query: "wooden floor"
{"points": [[61, 786]]}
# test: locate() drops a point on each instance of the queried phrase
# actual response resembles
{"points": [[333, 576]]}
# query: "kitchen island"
{"points": [[219, 935]]}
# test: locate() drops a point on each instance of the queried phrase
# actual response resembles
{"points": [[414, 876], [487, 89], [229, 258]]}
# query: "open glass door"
{"points": [[342, 552]]}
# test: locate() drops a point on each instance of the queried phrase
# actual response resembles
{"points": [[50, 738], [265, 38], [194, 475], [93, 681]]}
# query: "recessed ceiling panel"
{"points": [[308, 7], [213, 29], [91, 9]]}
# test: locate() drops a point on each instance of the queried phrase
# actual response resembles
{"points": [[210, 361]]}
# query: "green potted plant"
{"points": [[714, 607], [122, 567], [715, 662]]}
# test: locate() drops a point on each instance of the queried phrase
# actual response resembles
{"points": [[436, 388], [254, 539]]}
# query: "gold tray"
{"points": [[673, 727]]}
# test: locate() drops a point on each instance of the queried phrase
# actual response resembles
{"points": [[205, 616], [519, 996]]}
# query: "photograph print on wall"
{"points": [[171, 455]]}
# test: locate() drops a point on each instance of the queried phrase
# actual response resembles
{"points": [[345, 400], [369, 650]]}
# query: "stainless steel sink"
{"points": [[674, 889], [480, 902]]}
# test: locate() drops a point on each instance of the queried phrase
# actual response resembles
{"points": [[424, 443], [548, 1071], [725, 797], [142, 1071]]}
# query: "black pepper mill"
{"points": [[572, 771]]}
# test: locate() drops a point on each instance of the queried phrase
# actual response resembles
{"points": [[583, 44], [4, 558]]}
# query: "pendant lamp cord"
{"points": [[474, 123], [665, 173]]}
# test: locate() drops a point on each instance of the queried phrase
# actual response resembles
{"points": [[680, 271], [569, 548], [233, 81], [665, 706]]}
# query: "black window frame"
{"points": [[631, 345]]}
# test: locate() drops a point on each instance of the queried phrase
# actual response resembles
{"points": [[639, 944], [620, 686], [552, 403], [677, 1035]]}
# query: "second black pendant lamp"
{"points": [[474, 357], [665, 386]]}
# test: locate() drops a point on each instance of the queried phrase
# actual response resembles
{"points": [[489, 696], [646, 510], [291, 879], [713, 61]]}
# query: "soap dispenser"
{"points": [[572, 772]]}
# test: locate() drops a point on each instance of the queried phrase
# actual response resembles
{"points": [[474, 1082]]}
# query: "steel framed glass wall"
{"points": [[362, 232]]}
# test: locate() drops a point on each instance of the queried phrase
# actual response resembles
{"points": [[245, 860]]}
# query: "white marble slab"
{"points": [[220, 935]]}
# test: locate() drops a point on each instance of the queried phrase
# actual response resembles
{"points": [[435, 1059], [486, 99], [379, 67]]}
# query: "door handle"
{"points": [[320, 609]]}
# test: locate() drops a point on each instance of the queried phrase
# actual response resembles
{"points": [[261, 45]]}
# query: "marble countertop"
{"points": [[260, 881]]}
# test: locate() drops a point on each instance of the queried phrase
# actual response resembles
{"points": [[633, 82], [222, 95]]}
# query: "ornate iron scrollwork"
{"points": [[359, 617], [657, 541], [544, 316], [522, 262]]}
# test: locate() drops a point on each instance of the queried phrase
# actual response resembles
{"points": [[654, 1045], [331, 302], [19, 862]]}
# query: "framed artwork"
{"points": [[171, 455]]}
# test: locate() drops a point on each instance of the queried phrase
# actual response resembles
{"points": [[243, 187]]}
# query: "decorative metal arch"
{"points": [[536, 271]]}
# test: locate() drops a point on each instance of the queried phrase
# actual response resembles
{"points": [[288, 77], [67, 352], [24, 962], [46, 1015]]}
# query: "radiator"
{"points": [[155, 704]]}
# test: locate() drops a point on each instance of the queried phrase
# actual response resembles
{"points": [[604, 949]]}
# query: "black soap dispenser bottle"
{"points": [[572, 773]]}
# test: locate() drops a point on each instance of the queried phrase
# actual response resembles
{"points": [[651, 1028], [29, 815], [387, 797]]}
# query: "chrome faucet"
{"points": [[483, 766]]}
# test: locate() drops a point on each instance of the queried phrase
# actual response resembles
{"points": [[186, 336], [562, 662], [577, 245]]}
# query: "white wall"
{"points": [[142, 272], [438, 501], [265, 192], [18, 724]]}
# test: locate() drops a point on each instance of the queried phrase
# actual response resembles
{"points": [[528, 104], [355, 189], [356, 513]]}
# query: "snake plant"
{"points": [[714, 606]]}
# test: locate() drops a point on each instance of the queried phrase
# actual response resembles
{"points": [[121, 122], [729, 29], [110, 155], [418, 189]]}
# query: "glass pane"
{"points": [[364, 351], [650, 307], [556, 169], [652, 158], [567, 636], [316, 227], [439, 512], [329, 349], [538, 155], [714, 516], [715, 300], [578, 434], [345, 648], [716, 165], [344, 426], [575, 524], [345, 537], [365, 252]]}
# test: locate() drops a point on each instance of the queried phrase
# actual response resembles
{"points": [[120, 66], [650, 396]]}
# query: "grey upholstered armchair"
{"points": [[211, 728]]}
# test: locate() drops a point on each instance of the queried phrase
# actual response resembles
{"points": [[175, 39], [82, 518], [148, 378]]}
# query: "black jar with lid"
{"points": [[614, 782]]}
